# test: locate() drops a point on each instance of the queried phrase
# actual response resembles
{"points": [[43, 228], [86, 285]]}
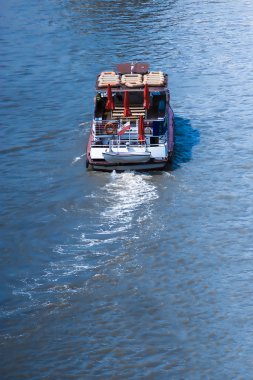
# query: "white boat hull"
{"points": [[129, 167], [126, 158]]}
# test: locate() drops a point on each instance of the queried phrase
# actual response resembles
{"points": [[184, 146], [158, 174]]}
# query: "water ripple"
{"points": [[126, 275]]}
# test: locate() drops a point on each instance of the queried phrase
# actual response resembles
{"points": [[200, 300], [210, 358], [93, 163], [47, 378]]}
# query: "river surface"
{"points": [[126, 276]]}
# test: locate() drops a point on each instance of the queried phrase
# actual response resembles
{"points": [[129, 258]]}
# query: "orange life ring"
{"points": [[110, 129]]}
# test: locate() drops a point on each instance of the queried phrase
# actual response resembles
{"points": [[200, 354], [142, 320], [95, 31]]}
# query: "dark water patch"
{"points": [[186, 138]]}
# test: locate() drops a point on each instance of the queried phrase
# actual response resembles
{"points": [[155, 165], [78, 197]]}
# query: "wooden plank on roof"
{"points": [[136, 68], [141, 68]]}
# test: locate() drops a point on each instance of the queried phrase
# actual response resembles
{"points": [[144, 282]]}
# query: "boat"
{"points": [[133, 122]]}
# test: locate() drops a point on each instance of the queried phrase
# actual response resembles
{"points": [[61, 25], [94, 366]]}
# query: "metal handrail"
{"points": [[118, 121], [100, 125], [129, 146]]}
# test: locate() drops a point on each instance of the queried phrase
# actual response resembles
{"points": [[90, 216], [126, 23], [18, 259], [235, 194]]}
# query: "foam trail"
{"points": [[125, 194], [76, 159]]}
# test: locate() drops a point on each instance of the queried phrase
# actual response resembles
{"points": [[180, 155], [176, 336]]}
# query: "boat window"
{"points": [[100, 103], [119, 99], [154, 140], [135, 98], [159, 127], [157, 106]]}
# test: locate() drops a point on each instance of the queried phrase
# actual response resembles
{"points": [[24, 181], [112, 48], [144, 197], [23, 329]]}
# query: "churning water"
{"points": [[126, 276]]}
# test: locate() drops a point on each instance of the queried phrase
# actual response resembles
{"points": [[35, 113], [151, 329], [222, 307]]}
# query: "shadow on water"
{"points": [[185, 139]]}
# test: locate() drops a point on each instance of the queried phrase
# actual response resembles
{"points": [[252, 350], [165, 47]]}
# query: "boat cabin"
{"points": [[132, 115], [136, 100], [131, 78]]}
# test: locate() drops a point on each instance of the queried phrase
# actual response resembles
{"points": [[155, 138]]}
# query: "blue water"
{"points": [[126, 276]]}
